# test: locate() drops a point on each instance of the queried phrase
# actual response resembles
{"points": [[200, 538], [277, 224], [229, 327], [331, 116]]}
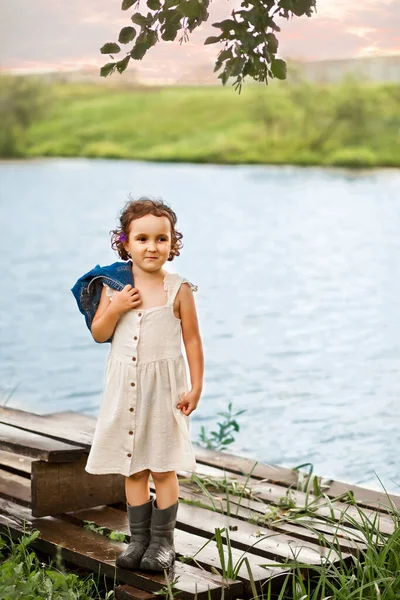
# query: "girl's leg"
{"points": [[139, 508], [137, 488], [167, 488], [160, 553]]}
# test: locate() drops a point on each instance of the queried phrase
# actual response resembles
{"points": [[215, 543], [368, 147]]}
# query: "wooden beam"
{"points": [[61, 487]]}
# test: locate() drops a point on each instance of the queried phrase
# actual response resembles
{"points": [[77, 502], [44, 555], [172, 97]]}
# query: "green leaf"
{"points": [[170, 32], [127, 4], [107, 69], [217, 66], [126, 35], [122, 64], [224, 55], [152, 38], [224, 76], [212, 40], [139, 50], [154, 4], [226, 25], [117, 535], [301, 7], [191, 9], [139, 19], [278, 68], [175, 19], [272, 43], [110, 48]]}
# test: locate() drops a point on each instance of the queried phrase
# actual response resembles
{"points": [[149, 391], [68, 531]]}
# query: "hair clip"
{"points": [[122, 237]]}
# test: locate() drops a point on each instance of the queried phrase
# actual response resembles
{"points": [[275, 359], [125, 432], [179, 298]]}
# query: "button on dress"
{"points": [[139, 426]]}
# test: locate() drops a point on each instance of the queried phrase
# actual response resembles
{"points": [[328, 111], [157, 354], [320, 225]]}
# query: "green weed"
{"points": [[225, 434], [23, 576]]}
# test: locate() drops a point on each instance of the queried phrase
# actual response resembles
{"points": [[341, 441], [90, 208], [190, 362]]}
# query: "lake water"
{"points": [[299, 300]]}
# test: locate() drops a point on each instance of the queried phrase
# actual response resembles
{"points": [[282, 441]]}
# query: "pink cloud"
{"points": [[346, 32], [51, 32]]}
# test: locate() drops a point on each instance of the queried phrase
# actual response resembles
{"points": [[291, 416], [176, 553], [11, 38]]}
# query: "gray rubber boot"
{"points": [[160, 554], [139, 525]]}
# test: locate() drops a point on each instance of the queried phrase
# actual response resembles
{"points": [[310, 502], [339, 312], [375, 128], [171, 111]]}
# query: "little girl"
{"points": [[143, 423]]}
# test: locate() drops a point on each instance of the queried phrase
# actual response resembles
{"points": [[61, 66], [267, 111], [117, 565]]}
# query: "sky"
{"points": [[43, 34]]}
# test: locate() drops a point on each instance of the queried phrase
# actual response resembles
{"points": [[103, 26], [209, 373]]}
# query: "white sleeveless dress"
{"points": [[139, 426]]}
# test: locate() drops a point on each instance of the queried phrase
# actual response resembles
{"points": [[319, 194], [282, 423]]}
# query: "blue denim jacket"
{"points": [[87, 290]]}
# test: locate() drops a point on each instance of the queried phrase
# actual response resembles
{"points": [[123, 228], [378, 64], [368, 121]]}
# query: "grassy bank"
{"points": [[23, 575], [371, 572], [350, 124]]}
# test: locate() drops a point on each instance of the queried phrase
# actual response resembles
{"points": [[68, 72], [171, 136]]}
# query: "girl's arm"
{"points": [[108, 312], [193, 347]]}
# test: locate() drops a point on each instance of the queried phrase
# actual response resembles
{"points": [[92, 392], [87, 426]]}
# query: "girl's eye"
{"points": [[162, 239]]}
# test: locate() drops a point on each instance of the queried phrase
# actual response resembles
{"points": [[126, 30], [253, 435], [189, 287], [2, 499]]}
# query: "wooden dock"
{"points": [[43, 486]]}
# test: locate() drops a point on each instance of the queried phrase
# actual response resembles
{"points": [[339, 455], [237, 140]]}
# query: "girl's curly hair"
{"points": [[135, 209]]}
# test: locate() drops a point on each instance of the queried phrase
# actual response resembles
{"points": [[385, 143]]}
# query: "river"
{"points": [[298, 274]]}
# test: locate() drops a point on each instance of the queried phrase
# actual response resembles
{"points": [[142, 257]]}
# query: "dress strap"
{"points": [[172, 284]]}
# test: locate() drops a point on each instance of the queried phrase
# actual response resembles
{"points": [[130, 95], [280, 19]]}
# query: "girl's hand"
{"points": [[189, 402], [126, 299]]}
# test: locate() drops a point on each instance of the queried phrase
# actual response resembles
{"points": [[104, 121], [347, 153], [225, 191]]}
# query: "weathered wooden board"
{"points": [[76, 428], [15, 463], [15, 487], [97, 554], [257, 539], [269, 493], [37, 446], [288, 477], [73, 419], [60, 487], [128, 592], [71, 433], [344, 538], [187, 545], [271, 546]]}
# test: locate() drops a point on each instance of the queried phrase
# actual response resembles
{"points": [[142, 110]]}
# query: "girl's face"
{"points": [[149, 242]]}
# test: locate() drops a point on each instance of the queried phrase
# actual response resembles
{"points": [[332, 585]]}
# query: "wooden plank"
{"points": [[15, 511], [288, 477], [79, 422], [272, 494], [97, 554], [128, 592], [187, 545], [253, 538], [15, 463], [348, 541], [244, 536], [78, 429], [73, 419], [73, 434], [37, 446], [61, 487], [14, 487]]}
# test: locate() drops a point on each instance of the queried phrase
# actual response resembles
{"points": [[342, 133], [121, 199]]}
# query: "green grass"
{"points": [[24, 577], [350, 124], [371, 573]]}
